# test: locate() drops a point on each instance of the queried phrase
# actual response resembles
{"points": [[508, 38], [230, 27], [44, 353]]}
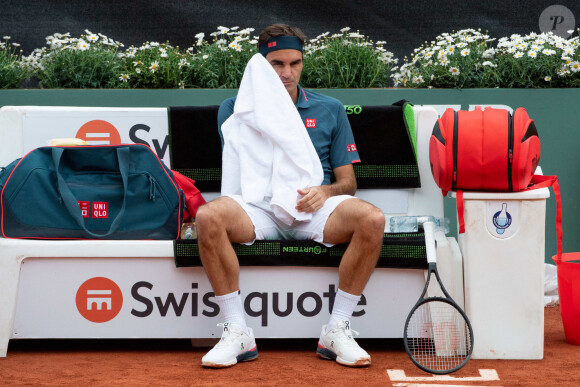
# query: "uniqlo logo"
{"points": [[100, 210], [311, 122], [351, 148], [271, 44], [85, 207]]}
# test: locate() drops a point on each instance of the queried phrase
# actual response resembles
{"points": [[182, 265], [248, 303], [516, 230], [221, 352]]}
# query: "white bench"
{"points": [[41, 282]]}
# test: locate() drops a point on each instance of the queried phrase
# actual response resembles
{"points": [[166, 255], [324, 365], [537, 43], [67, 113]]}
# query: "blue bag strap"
{"points": [[72, 204]]}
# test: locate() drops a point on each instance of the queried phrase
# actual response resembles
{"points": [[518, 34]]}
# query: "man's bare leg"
{"points": [[219, 223], [362, 225]]}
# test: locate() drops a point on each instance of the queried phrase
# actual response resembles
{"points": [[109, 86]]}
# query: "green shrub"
{"points": [[221, 62], [346, 60], [12, 69], [90, 61], [154, 66]]}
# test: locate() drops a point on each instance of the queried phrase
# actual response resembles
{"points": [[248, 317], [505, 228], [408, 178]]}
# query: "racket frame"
{"points": [[429, 228]]}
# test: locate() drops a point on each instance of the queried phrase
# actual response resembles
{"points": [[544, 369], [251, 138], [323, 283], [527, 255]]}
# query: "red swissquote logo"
{"points": [[99, 299]]}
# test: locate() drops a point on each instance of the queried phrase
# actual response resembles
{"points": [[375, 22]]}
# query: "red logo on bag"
{"points": [[351, 148], [100, 210], [311, 122], [97, 132], [99, 299], [85, 208]]}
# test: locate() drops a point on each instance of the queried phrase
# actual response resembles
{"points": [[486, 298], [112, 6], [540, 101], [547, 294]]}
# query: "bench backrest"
{"points": [[387, 177]]}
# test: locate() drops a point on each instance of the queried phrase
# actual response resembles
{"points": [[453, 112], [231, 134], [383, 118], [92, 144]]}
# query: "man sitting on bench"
{"points": [[336, 217]]}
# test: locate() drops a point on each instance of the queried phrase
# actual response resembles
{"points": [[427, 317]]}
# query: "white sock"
{"points": [[344, 306], [231, 309]]}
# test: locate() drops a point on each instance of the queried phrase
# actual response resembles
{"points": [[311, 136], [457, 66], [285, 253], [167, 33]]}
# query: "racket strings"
{"points": [[438, 336]]}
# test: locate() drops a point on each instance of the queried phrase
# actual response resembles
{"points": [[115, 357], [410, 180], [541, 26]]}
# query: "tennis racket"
{"points": [[438, 335]]}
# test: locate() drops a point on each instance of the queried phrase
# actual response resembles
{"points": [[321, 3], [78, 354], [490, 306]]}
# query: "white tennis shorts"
{"points": [[268, 227]]}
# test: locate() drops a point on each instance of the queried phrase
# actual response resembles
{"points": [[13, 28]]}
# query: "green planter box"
{"points": [[554, 111]]}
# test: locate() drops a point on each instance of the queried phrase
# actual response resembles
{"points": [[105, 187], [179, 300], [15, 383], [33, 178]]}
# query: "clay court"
{"points": [[281, 362]]}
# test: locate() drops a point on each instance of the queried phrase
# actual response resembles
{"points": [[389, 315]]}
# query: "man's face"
{"points": [[288, 66]]}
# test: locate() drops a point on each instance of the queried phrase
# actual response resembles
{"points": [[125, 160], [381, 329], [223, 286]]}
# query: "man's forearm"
{"points": [[345, 186]]}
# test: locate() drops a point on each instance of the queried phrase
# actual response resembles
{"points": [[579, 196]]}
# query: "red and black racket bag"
{"points": [[484, 150]]}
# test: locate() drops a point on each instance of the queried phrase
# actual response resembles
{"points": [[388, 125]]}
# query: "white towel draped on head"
{"points": [[267, 151]]}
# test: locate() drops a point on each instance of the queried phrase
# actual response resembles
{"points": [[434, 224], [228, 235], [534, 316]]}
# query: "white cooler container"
{"points": [[503, 254]]}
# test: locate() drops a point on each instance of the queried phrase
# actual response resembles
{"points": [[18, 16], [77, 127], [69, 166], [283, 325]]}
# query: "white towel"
{"points": [[267, 150]]}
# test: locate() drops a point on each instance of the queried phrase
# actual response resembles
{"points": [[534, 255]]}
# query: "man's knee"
{"points": [[208, 218], [374, 222]]}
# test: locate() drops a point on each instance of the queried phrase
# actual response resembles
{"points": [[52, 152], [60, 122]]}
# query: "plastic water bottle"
{"points": [[403, 224], [398, 224], [188, 231]]}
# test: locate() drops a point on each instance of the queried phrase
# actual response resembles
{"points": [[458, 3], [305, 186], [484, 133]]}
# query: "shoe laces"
{"points": [[346, 337], [227, 335]]}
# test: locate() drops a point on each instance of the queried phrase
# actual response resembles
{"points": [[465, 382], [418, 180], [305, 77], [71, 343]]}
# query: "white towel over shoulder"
{"points": [[267, 150]]}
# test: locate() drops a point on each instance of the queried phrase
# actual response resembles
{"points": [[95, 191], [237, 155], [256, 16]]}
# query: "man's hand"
{"points": [[312, 200]]}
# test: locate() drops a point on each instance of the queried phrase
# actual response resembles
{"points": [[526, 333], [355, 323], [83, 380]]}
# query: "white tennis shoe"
{"points": [[338, 344], [234, 346]]}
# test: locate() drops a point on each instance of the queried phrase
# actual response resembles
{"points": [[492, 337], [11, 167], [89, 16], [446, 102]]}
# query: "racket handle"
{"points": [[429, 228]]}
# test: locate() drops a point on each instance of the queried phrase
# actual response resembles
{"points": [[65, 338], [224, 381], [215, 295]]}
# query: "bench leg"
{"points": [[9, 277]]}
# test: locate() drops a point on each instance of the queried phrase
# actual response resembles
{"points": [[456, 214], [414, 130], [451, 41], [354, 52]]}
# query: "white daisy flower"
{"points": [[465, 52], [575, 67], [154, 66], [138, 70], [82, 45], [201, 35], [93, 38], [205, 56], [124, 77], [518, 54], [547, 78], [181, 85], [488, 53], [345, 29], [418, 79], [6, 37], [454, 71], [532, 54], [450, 49]]}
